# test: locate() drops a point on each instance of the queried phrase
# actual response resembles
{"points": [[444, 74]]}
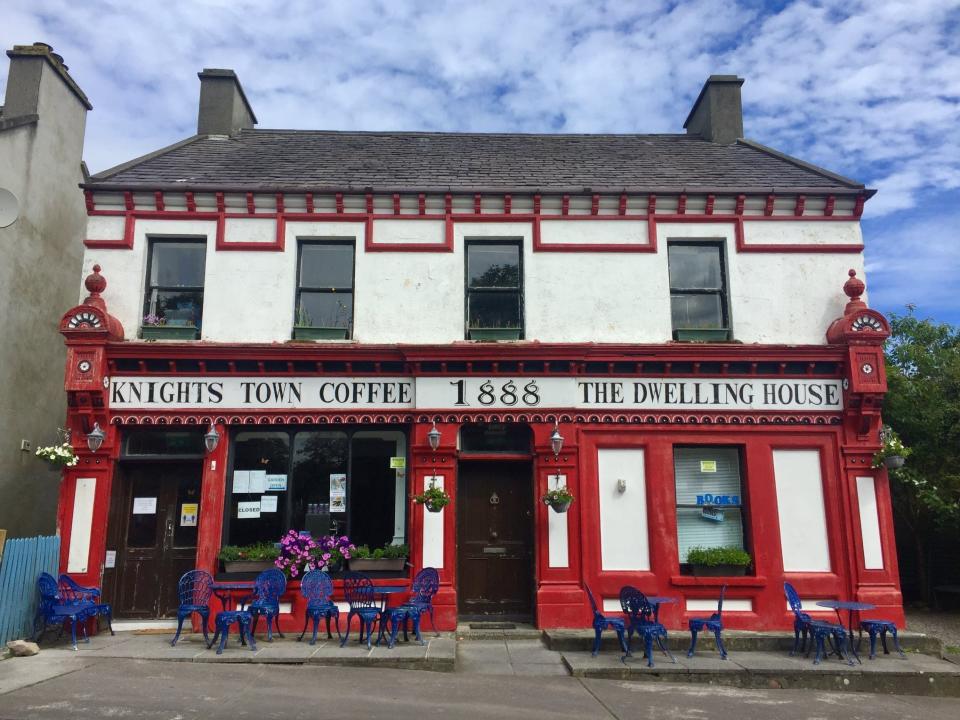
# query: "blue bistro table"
{"points": [[657, 601], [222, 590], [385, 591], [851, 607]]}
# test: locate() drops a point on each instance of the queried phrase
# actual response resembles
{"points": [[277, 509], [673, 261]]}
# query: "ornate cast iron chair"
{"points": [[193, 591], [267, 589], [601, 622], [358, 590], [224, 620], [641, 614], [317, 587], [801, 621], [819, 632], [881, 628], [426, 583], [54, 609], [72, 592], [714, 624]]}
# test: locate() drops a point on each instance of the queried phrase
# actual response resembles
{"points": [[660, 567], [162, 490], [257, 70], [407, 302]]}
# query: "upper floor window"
{"points": [[494, 287], [698, 290], [324, 290], [173, 301]]}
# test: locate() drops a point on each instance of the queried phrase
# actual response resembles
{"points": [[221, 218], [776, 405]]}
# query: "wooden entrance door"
{"points": [[156, 528], [495, 540]]}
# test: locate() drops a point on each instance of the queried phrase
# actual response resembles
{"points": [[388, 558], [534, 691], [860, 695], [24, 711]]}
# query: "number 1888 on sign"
{"points": [[507, 393]]}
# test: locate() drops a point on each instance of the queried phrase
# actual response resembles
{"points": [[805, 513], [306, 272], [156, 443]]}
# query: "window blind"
{"points": [[708, 477]]}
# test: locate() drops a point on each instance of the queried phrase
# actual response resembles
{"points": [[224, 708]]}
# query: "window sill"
{"points": [[169, 332], [702, 334], [734, 581], [494, 333], [320, 333]]}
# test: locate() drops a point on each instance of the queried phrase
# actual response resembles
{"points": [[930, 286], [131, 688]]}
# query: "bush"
{"points": [[713, 556], [363, 552], [252, 553]]}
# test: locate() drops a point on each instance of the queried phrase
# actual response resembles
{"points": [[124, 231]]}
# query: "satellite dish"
{"points": [[9, 208]]}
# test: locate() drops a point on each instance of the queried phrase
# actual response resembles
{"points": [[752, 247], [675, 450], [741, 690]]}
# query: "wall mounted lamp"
{"points": [[433, 437], [95, 438], [556, 441], [211, 439]]}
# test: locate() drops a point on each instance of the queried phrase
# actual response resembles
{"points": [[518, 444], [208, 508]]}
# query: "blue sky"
{"points": [[867, 89]]}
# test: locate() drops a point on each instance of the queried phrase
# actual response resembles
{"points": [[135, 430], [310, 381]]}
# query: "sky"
{"points": [[870, 90]]}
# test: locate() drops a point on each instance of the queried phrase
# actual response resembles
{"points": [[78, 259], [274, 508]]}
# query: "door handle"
{"points": [[494, 534]]}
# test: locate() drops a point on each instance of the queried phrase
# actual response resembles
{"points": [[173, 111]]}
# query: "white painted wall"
{"points": [[803, 522], [557, 529], [81, 527], [418, 297], [869, 523], [705, 605], [624, 541], [433, 530]]}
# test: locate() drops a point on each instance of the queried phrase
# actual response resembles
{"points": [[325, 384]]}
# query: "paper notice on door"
{"points": [[268, 503], [248, 510], [110, 559], [241, 481], [338, 504], [276, 483], [258, 481], [188, 514], [398, 462], [338, 492], [145, 506]]}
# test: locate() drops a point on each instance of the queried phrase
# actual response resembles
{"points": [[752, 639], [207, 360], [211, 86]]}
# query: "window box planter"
{"points": [[168, 332], [719, 570], [371, 565], [494, 333], [319, 333], [702, 334], [232, 566]]}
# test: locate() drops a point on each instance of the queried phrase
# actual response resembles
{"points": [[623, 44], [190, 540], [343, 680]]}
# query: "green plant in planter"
{"points": [[559, 498], [261, 552], [387, 552], [716, 556], [892, 452], [433, 498]]}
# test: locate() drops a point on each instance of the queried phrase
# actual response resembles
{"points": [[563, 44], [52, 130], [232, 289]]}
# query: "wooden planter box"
{"points": [[702, 334], [319, 333], [719, 570], [371, 565], [247, 565], [494, 333], [168, 332]]}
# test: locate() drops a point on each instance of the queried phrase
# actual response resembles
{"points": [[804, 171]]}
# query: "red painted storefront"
{"points": [[845, 440]]}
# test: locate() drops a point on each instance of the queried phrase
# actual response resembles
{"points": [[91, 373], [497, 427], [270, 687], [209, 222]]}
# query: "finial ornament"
{"points": [[854, 288], [95, 284]]}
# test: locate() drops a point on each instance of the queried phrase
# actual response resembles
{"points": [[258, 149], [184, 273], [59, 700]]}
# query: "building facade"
{"points": [[679, 309], [42, 222]]}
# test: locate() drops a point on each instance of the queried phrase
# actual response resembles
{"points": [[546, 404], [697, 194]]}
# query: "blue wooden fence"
{"points": [[24, 559]]}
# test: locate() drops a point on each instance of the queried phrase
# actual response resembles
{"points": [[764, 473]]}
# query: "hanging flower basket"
{"points": [[558, 499], [58, 456], [894, 461], [434, 499], [892, 453]]}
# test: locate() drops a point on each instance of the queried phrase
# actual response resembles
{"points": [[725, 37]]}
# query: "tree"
{"points": [[923, 407]]}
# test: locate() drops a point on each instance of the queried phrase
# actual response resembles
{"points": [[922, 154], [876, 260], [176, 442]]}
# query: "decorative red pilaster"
{"points": [[212, 495]]}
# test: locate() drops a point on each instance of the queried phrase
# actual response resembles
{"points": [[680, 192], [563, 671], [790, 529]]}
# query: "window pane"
{"points": [[316, 456], [495, 437], [696, 311], [493, 266], [372, 488], [693, 529], [494, 309], [334, 310], [259, 451], [178, 264], [695, 267], [163, 442], [708, 478], [326, 266], [182, 309]]}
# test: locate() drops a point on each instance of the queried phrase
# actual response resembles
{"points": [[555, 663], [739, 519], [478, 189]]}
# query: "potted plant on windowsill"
{"points": [[389, 557], [718, 561], [248, 558], [558, 499], [495, 331], [155, 327], [433, 498], [703, 334], [304, 328]]}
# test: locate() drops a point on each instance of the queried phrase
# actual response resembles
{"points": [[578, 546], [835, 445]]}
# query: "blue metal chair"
{"points": [[194, 590], [801, 621], [641, 614], [881, 628], [224, 620], [819, 632], [601, 622], [426, 583], [317, 587], [714, 624], [54, 609], [267, 589], [72, 592], [358, 590]]}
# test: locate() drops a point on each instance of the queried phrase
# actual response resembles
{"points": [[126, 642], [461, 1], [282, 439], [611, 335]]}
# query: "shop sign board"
{"points": [[476, 393]]}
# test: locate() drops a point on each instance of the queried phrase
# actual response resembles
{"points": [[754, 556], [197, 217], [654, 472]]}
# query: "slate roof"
{"points": [[308, 160]]}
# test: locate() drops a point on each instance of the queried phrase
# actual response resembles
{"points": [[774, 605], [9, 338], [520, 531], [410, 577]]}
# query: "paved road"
{"points": [[182, 691]]}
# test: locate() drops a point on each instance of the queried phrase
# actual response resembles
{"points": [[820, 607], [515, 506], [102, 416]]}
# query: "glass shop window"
{"points": [[259, 460], [320, 460], [698, 290], [494, 290], [325, 288], [377, 491], [174, 291], [710, 498]]}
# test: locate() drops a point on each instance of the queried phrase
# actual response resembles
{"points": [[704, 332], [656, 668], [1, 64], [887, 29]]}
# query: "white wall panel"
{"points": [[105, 227], [433, 530], [803, 523], [594, 232], [420, 232], [250, 230], [624, 544], [706, 605], [557, 529], [81, 527], [869, 523], [801, 232]]}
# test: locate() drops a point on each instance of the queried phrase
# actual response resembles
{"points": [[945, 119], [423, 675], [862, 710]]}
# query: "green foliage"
{"points": [[713, 556], [433, 496], [387, 552], [557, 496], [250, 553], [892, 447]]}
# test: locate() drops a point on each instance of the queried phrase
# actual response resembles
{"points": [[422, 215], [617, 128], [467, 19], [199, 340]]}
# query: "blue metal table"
{"points": [[657, 601], [851, 606], [385, 591]]}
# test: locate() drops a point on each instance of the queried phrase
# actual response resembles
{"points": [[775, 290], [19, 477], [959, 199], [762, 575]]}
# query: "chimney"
{"points": [[29, 65], [224, 109], [717, 115]]}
